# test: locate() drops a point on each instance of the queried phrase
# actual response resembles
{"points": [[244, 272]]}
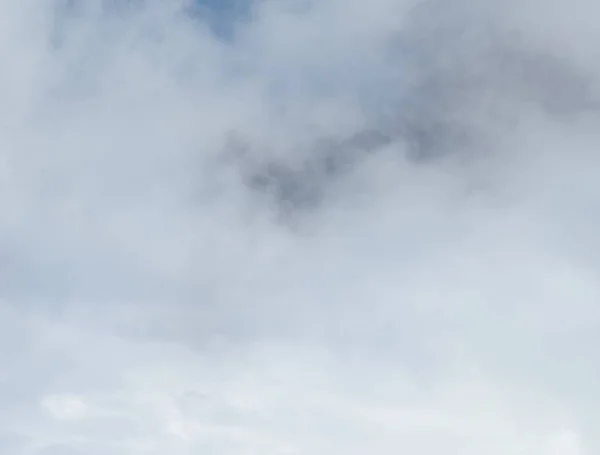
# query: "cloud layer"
{"points": [[297, 227]]}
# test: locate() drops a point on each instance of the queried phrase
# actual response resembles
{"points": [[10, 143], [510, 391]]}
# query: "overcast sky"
{"points": [[200, 252]]}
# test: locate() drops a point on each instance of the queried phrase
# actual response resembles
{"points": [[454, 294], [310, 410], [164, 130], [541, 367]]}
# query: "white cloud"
{"points": [[64, 406], [437, 294]]}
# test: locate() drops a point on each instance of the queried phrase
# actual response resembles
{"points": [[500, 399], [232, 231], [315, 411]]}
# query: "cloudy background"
{"points": [[299, 227]]}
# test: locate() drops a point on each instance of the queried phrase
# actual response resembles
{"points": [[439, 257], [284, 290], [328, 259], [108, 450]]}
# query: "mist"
{"points": [[299, 227]]}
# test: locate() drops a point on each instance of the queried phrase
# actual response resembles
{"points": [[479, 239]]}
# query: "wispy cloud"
{"points": [[297, 227]]}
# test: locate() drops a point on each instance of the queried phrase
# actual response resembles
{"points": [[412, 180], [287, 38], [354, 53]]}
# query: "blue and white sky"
{"points": [[197, 256]]}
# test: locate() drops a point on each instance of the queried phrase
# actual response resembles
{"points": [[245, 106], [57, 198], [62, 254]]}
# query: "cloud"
{"points": [[298, 227]]}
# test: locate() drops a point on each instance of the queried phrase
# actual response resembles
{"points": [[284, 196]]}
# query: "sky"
{"points": [[299, 227]]}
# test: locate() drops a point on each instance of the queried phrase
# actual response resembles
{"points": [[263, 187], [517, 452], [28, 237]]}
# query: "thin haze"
{"points": [[299, 227]]}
